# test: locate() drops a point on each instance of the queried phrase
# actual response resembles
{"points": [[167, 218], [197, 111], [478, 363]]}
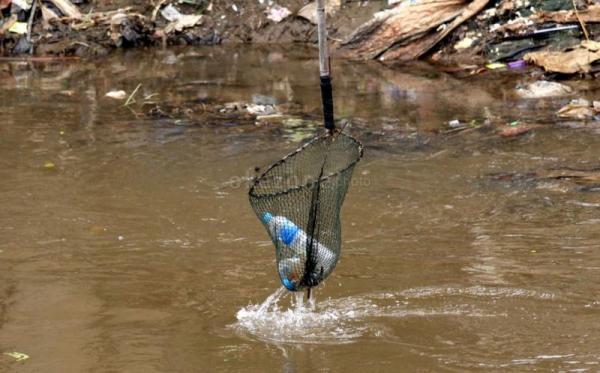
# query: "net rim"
{"points": [[257, 180]]}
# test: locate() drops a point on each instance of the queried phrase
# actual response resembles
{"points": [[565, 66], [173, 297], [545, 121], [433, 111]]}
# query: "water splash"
{"points": [[344, 320], [301, 323]]}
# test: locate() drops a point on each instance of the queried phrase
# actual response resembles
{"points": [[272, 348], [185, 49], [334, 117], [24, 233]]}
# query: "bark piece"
{"points": [[407, 32], [420, 47]]}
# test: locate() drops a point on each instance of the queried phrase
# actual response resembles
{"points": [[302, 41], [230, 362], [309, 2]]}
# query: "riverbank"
{"points": [[98, 28], [556, 35]]}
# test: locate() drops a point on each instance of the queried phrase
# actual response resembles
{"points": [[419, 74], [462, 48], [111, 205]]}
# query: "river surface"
{"points": [[127, 242]]}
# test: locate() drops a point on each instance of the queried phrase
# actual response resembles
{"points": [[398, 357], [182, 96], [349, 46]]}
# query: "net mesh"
{"points": [[298, 200]]}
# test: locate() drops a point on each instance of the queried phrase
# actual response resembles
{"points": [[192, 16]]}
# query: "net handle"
{"points": [[325, 68]]}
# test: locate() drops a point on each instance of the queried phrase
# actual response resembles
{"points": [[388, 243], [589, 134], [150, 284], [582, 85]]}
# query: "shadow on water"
{"points": [[128, 243]]}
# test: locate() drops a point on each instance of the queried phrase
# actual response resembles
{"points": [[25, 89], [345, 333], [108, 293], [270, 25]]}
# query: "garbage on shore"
{"points": [[556, 35]]}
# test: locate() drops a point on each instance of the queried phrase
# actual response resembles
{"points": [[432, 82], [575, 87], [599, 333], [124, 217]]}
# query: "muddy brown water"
{"points": [[127, 243]]}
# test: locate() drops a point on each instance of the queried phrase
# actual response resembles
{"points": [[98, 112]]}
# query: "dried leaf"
{"points": [[591, 45], [575, 61]]}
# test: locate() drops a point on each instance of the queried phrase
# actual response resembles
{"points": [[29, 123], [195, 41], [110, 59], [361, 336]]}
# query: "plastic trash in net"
{"points": [[298, 200]]}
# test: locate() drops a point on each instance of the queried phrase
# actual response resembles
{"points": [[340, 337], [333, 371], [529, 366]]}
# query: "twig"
{"points": [[130, 99], [585, 32], [30, 25], [150, 96], [81, 43]]}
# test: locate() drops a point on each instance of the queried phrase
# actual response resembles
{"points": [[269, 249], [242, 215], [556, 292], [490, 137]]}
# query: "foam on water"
{"points": [[346, 319]]}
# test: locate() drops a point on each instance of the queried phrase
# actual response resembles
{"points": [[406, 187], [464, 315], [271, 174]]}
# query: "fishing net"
{"points": [[298, 200]]}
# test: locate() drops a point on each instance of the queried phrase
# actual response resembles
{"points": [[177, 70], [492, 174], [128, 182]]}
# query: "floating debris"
{"points": [[579, 109], [18, 356], [117, 95], [543, 88], [495, 66], [514, 130], [49, 165]]}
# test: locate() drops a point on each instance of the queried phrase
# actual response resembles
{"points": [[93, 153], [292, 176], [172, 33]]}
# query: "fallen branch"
{"points": [[30, 24], [585, 32]]}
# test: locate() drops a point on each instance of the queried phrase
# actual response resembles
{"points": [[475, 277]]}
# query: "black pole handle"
{"points": [[327, 100]]}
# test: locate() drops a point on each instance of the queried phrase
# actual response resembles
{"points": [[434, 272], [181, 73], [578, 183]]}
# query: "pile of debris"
{"points": [[59, 27], [63, 27], [557, 35]]}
